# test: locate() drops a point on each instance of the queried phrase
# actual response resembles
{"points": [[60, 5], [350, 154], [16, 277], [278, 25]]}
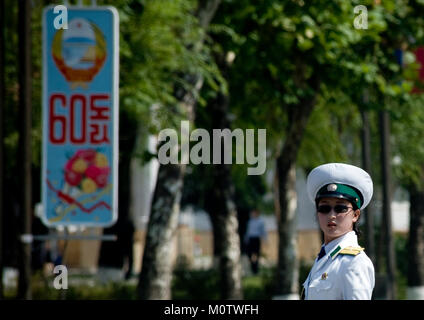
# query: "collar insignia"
{"points": [[333, 253]]}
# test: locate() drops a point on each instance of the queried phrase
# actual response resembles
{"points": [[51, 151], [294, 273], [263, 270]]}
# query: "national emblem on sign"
{"points": [[79, 51]]}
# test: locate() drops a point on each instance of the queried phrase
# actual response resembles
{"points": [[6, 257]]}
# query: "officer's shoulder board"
{"points": [[352, 251]]}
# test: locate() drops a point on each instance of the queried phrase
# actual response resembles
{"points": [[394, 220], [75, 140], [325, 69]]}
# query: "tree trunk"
{"points": [[225, 229], [157, 265], [25, 212], [2, 105], [387, 218], [287, 270], [415, 289], [288, 266], [221, 207], [366, 161], [156, 273]]}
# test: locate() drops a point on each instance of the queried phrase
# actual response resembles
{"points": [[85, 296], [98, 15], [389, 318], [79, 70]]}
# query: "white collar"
{"points": [[348, 239]]}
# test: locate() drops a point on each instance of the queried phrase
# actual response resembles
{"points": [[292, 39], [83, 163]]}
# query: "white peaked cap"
{"points": [[343, 174]]}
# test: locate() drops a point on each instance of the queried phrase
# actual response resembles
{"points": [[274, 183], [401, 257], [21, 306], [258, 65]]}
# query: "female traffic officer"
{"points": [[342, 270]]}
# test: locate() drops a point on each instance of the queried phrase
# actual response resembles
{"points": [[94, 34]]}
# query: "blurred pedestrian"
{"points": [[254, 234], [342, 270]]}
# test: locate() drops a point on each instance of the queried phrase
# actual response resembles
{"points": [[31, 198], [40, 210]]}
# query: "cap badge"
{"points": [[332, 187]]}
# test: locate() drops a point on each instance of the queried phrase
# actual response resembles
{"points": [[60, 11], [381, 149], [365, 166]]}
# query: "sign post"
{"points": [[80, 116]]}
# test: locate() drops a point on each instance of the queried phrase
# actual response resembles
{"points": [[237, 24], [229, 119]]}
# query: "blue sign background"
{"points": [[64, 204]]}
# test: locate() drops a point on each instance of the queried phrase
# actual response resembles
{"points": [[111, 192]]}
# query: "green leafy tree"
{"points": [[408, 134], [290, 56], [186, 26]]}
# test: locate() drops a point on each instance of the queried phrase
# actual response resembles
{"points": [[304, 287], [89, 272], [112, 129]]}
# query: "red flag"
{"points": [[419, 57]]}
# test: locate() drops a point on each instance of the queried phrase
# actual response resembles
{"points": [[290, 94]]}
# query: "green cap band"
{"points": [[337, 190]]}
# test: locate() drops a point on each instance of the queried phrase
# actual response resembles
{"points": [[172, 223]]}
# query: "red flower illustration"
{"points": [[87, 170]]}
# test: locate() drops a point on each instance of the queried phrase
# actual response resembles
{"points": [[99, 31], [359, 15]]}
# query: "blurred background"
{"points": [[328, 80]]}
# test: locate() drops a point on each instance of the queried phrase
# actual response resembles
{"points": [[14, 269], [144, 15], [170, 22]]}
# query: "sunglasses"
{"points": [[338, 208]]}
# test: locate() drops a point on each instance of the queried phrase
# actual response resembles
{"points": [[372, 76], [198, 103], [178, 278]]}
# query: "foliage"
{"points": [[280, 47], [401, 254], [186, 285], [407, 137], [401, 250], [249, 190], [80, 287], [329, 122], [259, 287], [112, 291], [157, 53]]}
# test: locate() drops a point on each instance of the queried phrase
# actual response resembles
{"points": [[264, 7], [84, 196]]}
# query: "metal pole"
{"points": [[105, 237], [24, 157], [2, 105], [387, 219], [366, 161]]}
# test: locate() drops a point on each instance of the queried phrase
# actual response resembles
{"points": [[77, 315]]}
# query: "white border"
{"points": [[115, 107]]}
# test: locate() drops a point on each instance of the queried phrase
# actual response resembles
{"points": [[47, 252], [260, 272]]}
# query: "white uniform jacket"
{"points": [[342, 274]]}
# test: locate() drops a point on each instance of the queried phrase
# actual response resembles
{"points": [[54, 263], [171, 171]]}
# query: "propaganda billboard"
{"points": [[80, 117]]}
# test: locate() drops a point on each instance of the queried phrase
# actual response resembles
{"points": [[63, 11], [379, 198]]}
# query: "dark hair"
{"points": [[355, 224], [356, 229]]}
